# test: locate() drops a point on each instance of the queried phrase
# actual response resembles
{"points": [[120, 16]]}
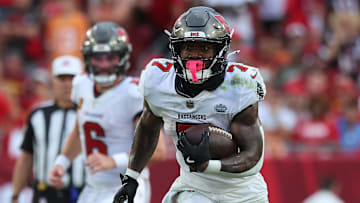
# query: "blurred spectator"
{"points": [[40, 88], [316, 82], [328, 193], [17, 83], [270, 53], [310, 81], [65, 31], [342, 50], [295, 44], [20, 28], [5, 108], [278, 121], [342, 5], [349, 128], [316, 14], [241, 15], [164, 12], [117, 11], [271, 14], [343, 92], [9, 153], [317, 132], [150, 19], [14, 74], [300, 52], [296, 96]]}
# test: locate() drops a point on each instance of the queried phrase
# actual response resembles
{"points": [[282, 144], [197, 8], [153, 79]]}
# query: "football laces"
{"points": [[220, 131]]}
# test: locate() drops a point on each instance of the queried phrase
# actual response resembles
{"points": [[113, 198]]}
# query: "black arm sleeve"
{"points": [[29, 138]]}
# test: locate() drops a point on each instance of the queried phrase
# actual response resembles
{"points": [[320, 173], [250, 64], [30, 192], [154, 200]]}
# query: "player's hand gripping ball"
{"points": [[203, 142]]}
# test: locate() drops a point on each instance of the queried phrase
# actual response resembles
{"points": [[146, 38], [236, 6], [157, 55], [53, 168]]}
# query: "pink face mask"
{"points": [[193, 66]]}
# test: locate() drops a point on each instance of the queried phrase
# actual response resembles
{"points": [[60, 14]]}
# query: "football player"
{"points": [[199, 85], [109, 104]]}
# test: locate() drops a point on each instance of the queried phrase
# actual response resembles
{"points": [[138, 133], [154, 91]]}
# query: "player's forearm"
{"points": [[239, 163], [23, 169], [72, 147], [145, 141], [250, 141], [160, 150]]}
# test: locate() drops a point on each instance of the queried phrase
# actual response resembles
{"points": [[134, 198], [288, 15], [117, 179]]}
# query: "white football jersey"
{"points": [[242, 87], [106, 122]]}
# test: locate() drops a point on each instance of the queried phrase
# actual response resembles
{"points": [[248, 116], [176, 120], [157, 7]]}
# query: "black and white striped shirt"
{"points": [[47, 128]]}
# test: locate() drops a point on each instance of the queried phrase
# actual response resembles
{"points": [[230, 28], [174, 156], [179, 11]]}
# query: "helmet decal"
{"points": [[123, 34], [222, 21]]}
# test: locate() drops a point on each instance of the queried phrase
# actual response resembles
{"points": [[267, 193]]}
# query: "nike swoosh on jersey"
{"points": [[254, 76]]}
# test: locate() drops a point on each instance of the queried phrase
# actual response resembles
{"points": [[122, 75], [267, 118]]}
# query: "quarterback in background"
{"points": [[200, 86], [109, 105]]}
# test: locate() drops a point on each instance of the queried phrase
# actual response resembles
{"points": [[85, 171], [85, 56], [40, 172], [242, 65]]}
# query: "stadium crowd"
{"points": [[308, 52]]}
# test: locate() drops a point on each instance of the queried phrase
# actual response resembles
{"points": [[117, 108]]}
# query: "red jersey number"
{"points": [[162, 67], [91, 141], [184, 126], [242, 68]]}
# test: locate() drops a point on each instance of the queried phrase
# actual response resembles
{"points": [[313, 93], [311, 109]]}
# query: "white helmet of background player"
{"points": [[103, 38], [200, 24]]}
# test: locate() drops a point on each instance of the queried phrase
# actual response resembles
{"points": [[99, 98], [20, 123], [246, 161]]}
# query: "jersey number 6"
{"points": [[90, 141]]}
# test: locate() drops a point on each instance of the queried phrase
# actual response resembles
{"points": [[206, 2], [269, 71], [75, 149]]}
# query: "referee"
{"points": [[47, 127]]}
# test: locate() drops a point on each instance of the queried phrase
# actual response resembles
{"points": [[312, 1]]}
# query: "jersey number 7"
{"points": [[91, 141]]}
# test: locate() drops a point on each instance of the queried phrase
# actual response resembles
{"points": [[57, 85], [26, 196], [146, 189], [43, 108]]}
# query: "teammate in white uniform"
{"points": [[109, 104], [199, 86]]}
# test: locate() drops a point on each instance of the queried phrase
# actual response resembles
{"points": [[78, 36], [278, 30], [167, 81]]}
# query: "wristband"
{"points": [[121, 160], [214, 166], [63, 161], [132, 173]]}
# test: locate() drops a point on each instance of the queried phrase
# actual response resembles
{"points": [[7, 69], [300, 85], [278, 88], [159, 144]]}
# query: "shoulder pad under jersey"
{"points": [[79, 84], [133, 87], [155, 71], [246, 78]]}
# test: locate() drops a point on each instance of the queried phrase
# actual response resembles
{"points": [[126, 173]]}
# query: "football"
{"points": [[221, 143]]}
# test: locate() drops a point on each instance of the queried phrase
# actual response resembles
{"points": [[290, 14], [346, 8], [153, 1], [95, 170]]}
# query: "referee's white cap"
{"points": [[66, 65]]}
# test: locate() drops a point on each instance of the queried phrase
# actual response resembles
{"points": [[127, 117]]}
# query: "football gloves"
{"points": [[127, 190], [194, 155]]}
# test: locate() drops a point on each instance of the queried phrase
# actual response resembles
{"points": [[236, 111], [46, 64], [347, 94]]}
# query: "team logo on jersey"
{"points": [[220, 108], [189, 104]]}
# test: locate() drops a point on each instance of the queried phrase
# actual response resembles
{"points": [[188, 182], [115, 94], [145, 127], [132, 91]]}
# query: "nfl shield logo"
{"points": [[220, 108], [190, 104]]}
